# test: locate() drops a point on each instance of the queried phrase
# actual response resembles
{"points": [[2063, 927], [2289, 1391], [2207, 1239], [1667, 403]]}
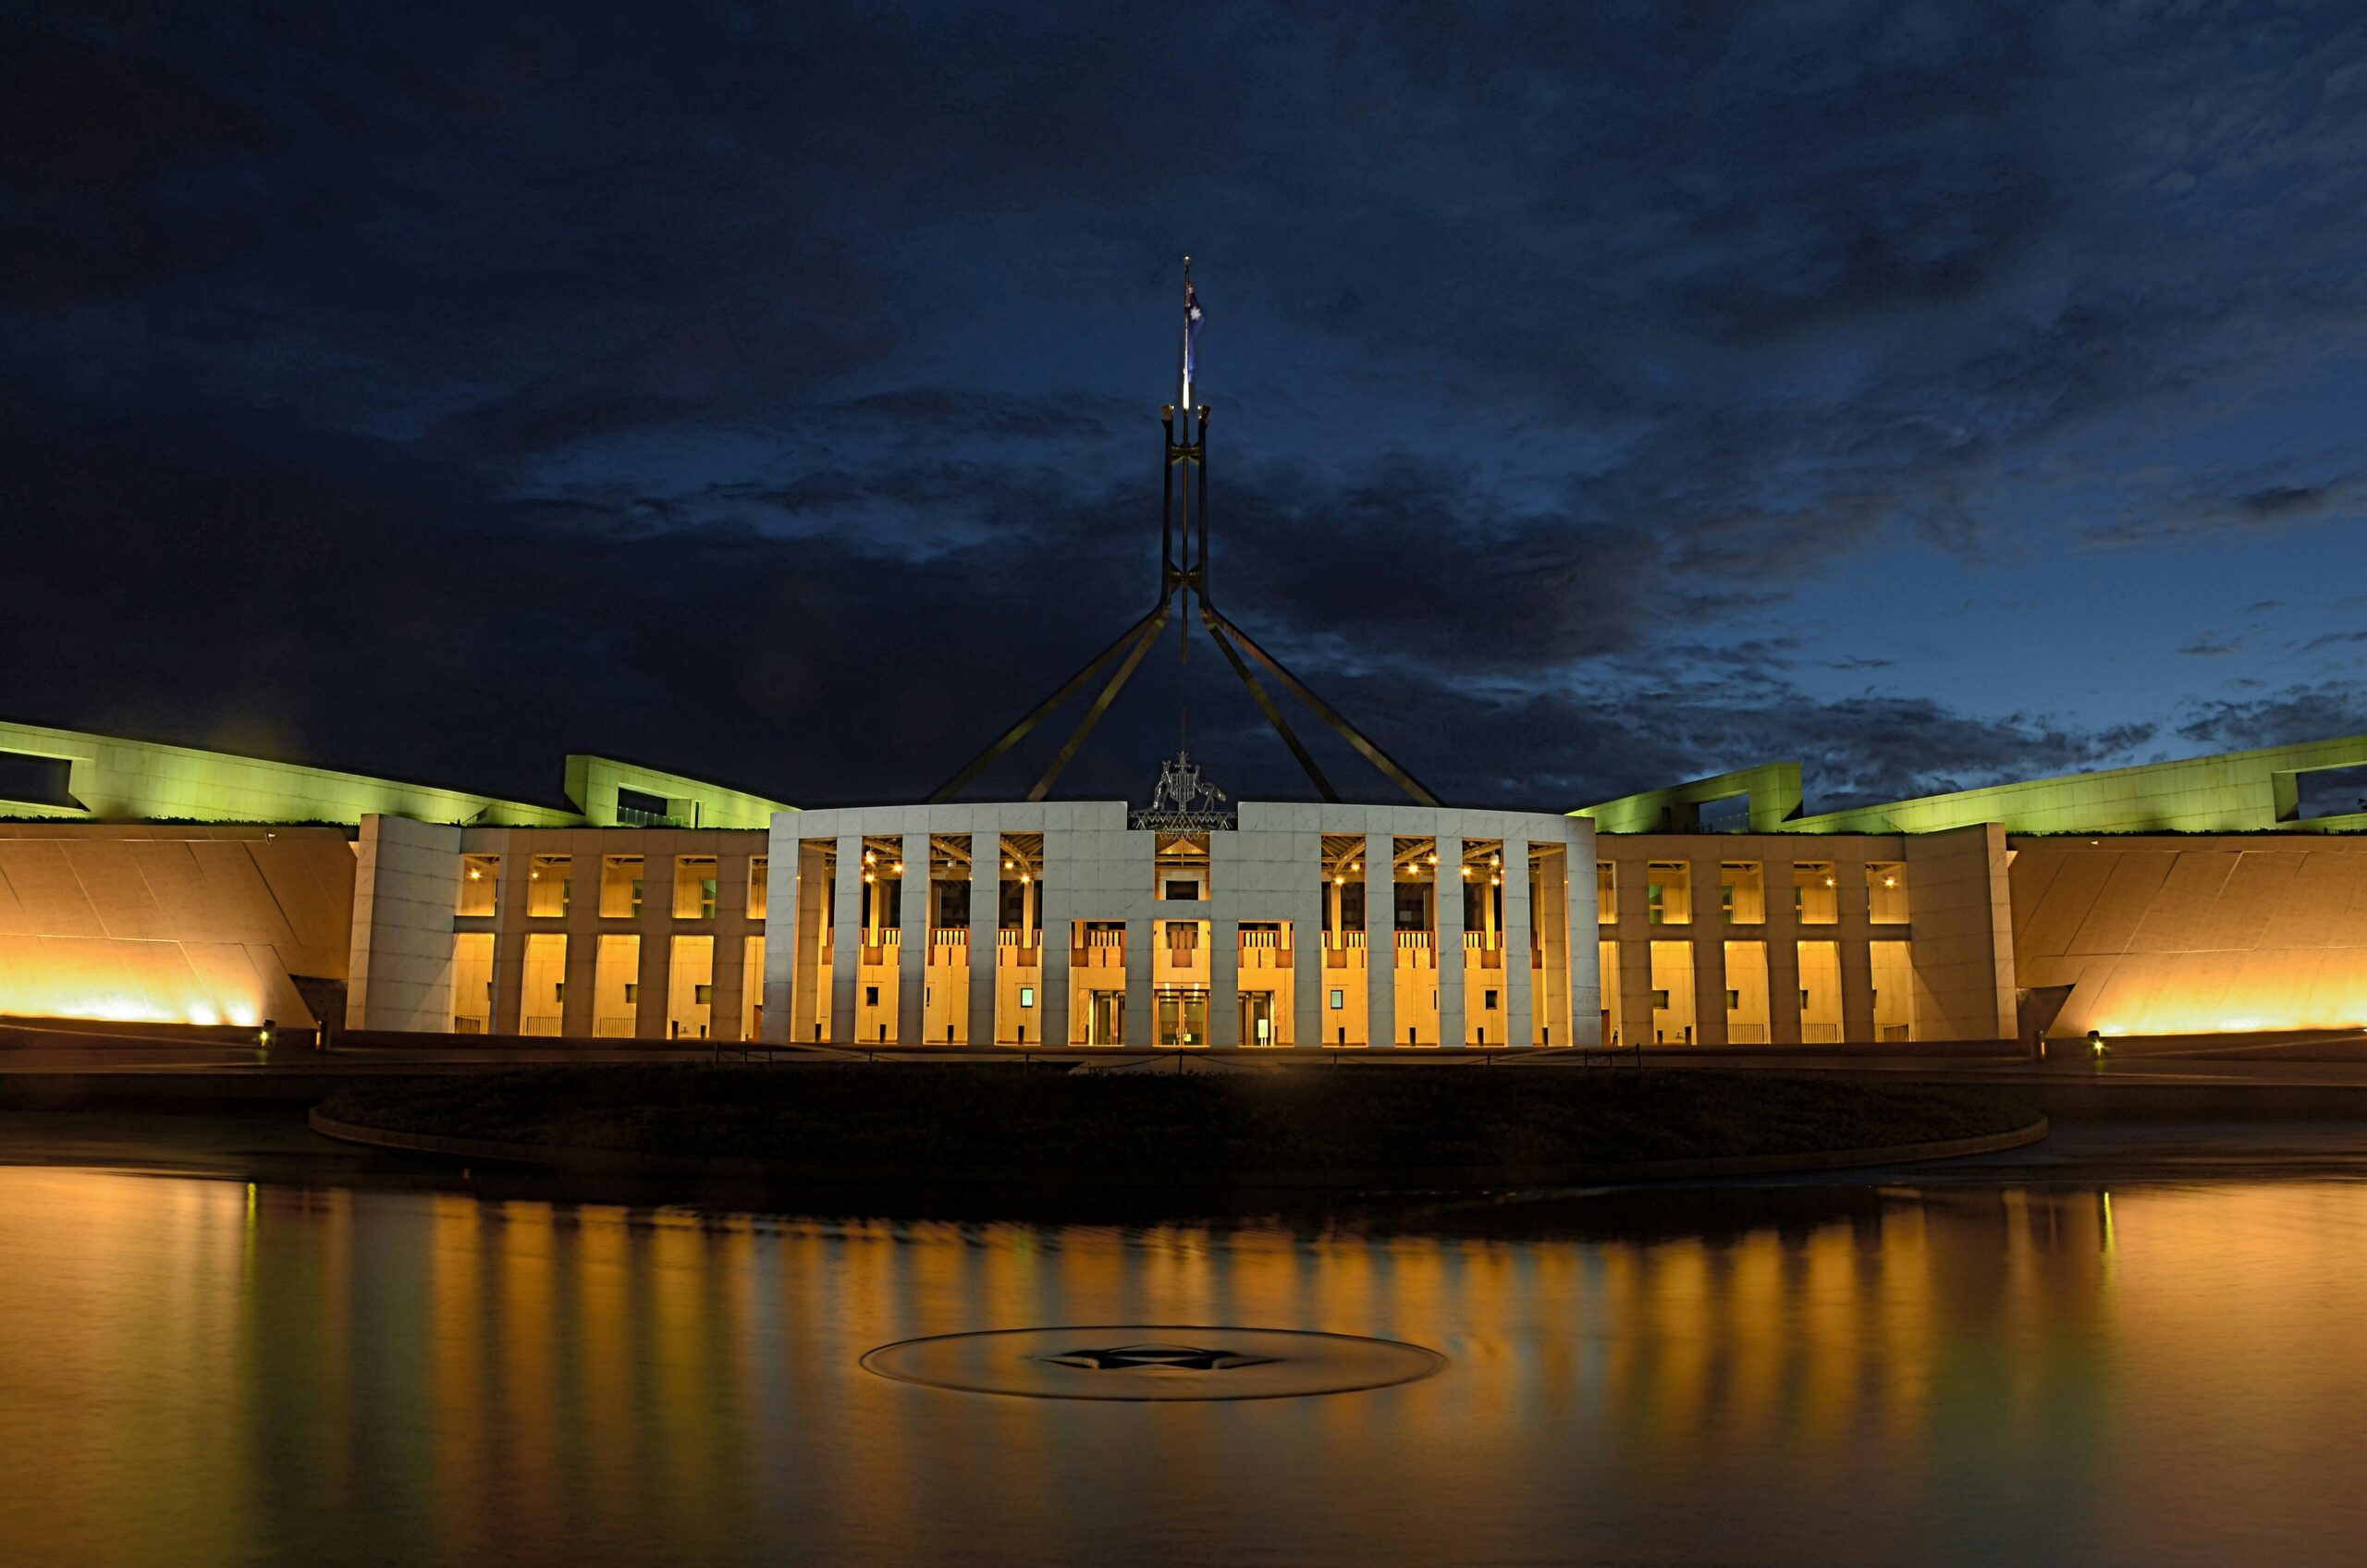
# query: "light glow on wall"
{"points": [[112, 981]]}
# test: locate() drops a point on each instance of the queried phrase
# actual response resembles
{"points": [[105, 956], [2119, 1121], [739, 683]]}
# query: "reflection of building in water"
{"points": [[146, 883]]}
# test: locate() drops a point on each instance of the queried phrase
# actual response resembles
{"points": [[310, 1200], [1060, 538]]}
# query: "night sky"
{"points": [[1604, 395]]}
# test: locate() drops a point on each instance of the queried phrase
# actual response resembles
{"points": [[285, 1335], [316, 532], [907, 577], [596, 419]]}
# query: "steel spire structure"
{"points": [[1184, 575]]}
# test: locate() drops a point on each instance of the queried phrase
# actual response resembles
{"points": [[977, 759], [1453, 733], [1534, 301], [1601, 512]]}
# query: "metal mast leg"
{"points": [[1347, 732], [1143, 640], [1266, 704], [1075, 684]]}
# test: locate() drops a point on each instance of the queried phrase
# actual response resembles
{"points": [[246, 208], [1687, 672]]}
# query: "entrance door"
{"points": [[1257, 1018], [1106, 1023], [1182, 1016]]}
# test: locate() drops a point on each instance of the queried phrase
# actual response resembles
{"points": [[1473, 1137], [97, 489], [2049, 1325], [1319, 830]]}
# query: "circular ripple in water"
{"points": [[1153, 1361]]}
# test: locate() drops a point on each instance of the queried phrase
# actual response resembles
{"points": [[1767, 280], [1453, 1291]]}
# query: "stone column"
{"points": [[783, 930], [1381, 939], [912, 965], [985, 903], [1581, 968], [846, 967], [1142, 1018], [1223, 959], [1446, 904], [1783, 931], [1309, 995], [1518, 941]]}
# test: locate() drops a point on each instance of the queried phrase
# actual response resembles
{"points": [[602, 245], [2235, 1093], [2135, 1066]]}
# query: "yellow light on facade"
{"points": [[898, 868], [866, 876], [1356, 866], [1023, 879], [1890, 881], [1434, 857], [1006, 865], [475, 875]]}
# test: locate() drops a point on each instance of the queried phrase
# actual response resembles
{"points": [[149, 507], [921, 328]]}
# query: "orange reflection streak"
{"points": [[2019, 1372]]}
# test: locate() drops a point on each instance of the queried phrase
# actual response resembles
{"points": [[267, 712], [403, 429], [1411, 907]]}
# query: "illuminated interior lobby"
{"points": [[150, 884]]}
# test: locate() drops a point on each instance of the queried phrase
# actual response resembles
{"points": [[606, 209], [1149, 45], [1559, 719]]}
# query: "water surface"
{"points": [[198, 1371]]}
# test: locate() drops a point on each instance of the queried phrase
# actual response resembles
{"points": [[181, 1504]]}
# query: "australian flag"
{"points": [[1191, 324]]}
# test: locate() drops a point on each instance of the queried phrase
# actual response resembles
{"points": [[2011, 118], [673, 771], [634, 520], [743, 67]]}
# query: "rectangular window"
{"points": [[1489, 1005], [1339, 1000], [620, 886], [615, 987], [689, 988], [759, 880], [1887, 892], [1672, 986], [871, 995], [1742, 892], [1894, 977], [545, 990], [752, 991], [1668, 892], [1027, 996], [547, 887], [1606, 893], [694, 887], [1815, 901], [472, 983], [1182, 889], [1819, 993], [1747, 1019], [480, 877]]}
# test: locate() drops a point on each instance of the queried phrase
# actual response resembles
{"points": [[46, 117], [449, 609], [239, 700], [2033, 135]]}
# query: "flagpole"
{"points": [[1186, 404]]}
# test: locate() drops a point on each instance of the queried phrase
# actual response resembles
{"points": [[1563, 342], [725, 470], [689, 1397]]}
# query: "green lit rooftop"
{"points": [[2254, 792], [105, 778]]}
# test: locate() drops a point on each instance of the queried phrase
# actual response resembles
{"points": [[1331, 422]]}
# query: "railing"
{"points": [[1412, 938]]}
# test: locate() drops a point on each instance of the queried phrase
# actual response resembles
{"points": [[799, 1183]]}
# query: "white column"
{"points": [[912, 965], [1584, 957], [847, 956], [782, 934], [1381, 939], [1518, 937], [1142, 1018], [986, 955], [1223, 959], [1447, 901]]}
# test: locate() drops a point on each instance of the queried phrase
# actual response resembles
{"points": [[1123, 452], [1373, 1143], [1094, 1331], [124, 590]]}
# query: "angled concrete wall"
{"points": [[155, 924], [2194, 935]]}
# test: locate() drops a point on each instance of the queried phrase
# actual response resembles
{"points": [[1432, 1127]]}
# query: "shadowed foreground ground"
{"points": [[969, 1118]]}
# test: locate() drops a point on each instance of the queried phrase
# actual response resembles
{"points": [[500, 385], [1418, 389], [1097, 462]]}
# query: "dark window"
{"points": [[871, 995], [1182, 889], [1413, 906], [35, 781], [954, 903], [1489, 1004], [640, 807], [1351, 906]]}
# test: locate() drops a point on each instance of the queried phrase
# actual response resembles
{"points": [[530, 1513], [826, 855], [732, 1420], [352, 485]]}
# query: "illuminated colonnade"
{"points": [[1109, 935]]}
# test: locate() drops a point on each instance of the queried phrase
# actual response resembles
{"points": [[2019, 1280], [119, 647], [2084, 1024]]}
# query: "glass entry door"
{"points": [[1182, 1016], [1106, 1024], [1257, 1018]]}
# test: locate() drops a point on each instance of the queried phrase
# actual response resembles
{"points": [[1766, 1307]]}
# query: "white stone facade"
{"points": [[1095, 885]]}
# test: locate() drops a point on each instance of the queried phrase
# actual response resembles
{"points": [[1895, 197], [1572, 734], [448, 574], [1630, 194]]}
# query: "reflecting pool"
{"points": [[198, 1371]]}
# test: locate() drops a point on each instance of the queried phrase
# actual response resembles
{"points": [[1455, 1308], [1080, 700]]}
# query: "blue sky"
{"points": [[1604, 395]]}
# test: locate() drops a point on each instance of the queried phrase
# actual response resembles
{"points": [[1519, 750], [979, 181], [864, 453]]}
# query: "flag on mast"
{"points": [[1191, 325]]}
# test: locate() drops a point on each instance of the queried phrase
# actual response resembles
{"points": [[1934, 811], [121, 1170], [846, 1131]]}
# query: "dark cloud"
{"points": [[1602, 390], [2298, 713]]}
